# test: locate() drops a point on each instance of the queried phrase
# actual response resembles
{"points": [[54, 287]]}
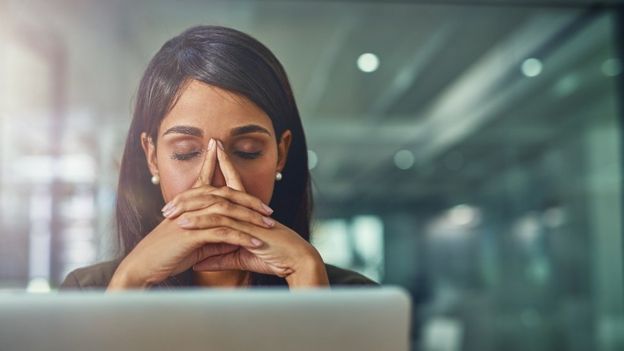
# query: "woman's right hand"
{"points": [[169, 249]]}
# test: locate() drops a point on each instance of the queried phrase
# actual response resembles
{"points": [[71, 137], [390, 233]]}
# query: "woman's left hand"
{"points": [[283, 253]]}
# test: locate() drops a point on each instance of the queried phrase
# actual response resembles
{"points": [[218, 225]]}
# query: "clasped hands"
{"points": [[219, 228]]}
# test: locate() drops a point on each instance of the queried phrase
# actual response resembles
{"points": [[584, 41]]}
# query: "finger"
{"points": [[202, 197], [208, 166], [200, 219], [226, 262], [232, 178], [240, 260], [223, 235], [214, 250]]}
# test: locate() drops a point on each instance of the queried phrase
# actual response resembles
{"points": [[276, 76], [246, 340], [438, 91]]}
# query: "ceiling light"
{"points": [[368, 62], [404, 159], [464, 215], [531, 67], [611, 67]]}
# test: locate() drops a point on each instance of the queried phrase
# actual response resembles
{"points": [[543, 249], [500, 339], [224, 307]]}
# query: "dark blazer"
{"points": [[99, 275]]}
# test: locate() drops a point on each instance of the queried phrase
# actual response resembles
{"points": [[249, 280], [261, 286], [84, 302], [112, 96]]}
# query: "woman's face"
{"points": [[203, 112]]}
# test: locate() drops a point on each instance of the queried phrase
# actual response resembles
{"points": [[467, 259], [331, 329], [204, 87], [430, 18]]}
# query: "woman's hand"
{"points": [[283, 253], [170, 249]]}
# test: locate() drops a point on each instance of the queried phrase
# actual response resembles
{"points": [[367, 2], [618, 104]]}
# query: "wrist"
{"points": [[124, 278], [310, 272]]}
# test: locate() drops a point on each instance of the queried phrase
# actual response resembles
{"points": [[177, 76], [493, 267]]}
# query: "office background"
{"points": [[470, 151]]}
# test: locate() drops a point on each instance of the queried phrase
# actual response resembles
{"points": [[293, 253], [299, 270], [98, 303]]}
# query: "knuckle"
{"points": [[181, 197], [242, 237], [229, 206], [221, 232], [214, 220], [220, 204], [189, 220], [181, 203], [236, 235], [225, 221], [225, 205], [206, 190], [229, 192], [212, 198], [180, 206], [257, 202]]}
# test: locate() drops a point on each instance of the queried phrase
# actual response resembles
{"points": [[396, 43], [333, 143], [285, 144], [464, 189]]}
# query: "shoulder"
{"points": [[340, 276], [96, 276]]}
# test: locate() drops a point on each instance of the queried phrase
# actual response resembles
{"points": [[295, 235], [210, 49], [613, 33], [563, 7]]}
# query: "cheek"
{"points": [[176, 176], [258, 178]]}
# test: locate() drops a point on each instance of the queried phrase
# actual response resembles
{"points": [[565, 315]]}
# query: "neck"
{"points": [[221, 278]]}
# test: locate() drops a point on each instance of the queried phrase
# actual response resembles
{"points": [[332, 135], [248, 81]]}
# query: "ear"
{"points": [[282, 149], [150, 153]]}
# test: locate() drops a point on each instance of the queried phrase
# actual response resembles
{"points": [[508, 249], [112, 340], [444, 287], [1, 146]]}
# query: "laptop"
{"points": [[200, 319]]}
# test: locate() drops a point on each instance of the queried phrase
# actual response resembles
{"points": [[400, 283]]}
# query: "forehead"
{"points": [[214, 110]]}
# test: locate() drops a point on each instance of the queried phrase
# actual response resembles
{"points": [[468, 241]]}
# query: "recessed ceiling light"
{"points": [[464, 215], [611, 67], [531, 67], [368, 62], [404, 159]]}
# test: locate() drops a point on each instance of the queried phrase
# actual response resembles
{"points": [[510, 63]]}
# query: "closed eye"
{"points": [[185, 156], [248, 155]]}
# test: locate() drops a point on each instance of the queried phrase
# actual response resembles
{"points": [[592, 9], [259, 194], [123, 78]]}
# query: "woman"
{"points": [[215, 137]]}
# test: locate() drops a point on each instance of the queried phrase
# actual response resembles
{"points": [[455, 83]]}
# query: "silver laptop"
{"points": [[261, 320]]}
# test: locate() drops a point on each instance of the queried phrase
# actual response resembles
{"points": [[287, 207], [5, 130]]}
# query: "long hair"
{"points": [[234, 61]]}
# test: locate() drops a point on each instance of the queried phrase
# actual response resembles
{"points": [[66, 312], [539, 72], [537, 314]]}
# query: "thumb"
{"points": [[211, 250], [225, 262], [208, 166]]}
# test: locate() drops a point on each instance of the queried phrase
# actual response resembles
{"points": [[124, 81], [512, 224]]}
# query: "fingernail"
{"points": [[256, 242], [184, 222], [268, 221], [211, 144], [220, 145], [267, 209], [169, 211], [166, 207]]}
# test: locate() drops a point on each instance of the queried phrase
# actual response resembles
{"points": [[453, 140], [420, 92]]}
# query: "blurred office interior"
{"points": [[469, 151]]}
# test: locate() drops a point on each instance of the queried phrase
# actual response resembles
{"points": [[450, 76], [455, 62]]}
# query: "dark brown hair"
{"points": [[231, 60]]}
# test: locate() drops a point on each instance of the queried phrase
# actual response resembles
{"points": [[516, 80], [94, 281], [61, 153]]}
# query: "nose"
{"points": [[218, 179]]}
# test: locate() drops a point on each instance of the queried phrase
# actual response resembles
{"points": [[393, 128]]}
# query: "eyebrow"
{"points": [[194, 131], [250, 128], [188, 130]]}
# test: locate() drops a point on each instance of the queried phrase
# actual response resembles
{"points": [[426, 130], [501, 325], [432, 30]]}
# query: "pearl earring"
{"points": [[278, 176], [155, 179]]}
